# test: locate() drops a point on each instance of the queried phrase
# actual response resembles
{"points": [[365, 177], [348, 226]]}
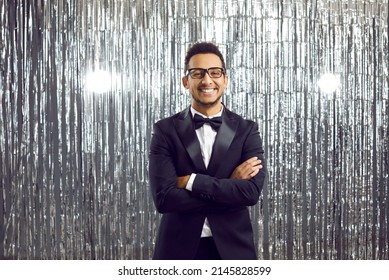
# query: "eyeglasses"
{"points": [[199, 73]]}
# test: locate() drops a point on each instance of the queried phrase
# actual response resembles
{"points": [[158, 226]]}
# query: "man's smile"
{"points": [[208, 91]]}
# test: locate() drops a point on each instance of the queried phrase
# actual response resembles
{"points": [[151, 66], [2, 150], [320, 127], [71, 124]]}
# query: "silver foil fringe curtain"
{"points": [[74, 149]]}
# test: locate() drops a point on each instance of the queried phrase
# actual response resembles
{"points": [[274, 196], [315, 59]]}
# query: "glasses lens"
{"points": [[215, 72], [197, 73]]}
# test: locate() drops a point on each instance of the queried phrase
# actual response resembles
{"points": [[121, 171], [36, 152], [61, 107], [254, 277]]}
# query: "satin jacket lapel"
{"points": [[187, 134], [223, 141]]}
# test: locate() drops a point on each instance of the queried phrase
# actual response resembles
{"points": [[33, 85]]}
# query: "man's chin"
{"points": [[207, 103]]}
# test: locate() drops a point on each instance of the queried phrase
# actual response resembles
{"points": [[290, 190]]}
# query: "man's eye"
{"points": [[196, 73]]}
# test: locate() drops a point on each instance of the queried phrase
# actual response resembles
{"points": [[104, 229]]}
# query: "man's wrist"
{"points": [[182, 181]]}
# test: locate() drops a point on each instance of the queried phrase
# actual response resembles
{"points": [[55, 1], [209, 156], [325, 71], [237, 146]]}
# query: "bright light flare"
{"points": [[328, 83], [98, 81]]}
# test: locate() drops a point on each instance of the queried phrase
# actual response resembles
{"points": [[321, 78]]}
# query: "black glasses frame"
{"points": [[190, 71]]}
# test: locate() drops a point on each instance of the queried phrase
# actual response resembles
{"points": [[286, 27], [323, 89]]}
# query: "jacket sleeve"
{"points": [[235, 192], [162, 175]]}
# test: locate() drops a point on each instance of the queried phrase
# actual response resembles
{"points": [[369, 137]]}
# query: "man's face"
{"points": [[206, 92]]}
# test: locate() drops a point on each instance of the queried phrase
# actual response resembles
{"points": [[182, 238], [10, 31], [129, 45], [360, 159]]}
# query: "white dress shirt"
{"points": [[206, 136]]}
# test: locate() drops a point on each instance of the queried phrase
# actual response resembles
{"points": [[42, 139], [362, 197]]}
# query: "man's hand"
{"points": [[182, 181], [247, 169]]}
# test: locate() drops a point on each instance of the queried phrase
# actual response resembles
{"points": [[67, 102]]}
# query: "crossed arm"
{"points": [[247, 170]]}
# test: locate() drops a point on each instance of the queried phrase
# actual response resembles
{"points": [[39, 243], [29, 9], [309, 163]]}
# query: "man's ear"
{"points": [[185, 82]]}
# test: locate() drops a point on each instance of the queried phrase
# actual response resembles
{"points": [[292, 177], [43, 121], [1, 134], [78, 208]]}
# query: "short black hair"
{"points": [[201, 48]]}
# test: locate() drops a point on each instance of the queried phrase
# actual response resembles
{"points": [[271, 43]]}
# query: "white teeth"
{"points": [[207, 90]]}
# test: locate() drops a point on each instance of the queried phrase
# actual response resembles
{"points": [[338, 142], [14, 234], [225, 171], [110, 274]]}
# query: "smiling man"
{"points": [[206, 90], [206, 168]]}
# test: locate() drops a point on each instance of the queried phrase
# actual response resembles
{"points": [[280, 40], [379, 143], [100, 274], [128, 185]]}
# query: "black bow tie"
{"points": [[215, 122]]}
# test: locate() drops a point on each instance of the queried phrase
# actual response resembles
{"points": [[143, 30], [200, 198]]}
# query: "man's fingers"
{"points": [[256, 170], [247, 169], [254, 161], [250, 160]]}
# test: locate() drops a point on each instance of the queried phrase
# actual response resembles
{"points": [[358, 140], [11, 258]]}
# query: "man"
{"points": [[204, 175]]}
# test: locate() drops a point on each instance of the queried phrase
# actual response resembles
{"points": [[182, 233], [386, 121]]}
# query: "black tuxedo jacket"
{"points": [[175, 151]]}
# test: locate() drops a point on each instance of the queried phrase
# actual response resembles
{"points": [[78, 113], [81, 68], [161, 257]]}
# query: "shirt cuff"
{"points": [[189, 185]]}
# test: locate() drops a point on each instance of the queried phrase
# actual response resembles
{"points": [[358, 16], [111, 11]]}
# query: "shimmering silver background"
{"points": [[73, 166]]}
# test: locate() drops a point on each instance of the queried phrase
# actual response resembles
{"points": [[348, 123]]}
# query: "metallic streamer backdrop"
{"points": [[74, 155]]}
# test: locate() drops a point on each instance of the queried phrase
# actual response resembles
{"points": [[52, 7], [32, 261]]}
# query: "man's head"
{"points": [[205, 77]]}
